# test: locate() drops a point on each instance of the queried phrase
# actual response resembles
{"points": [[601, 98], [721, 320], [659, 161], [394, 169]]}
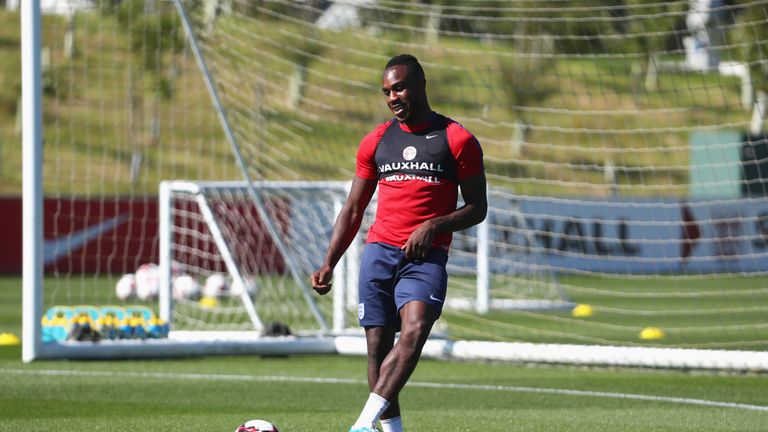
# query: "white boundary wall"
{"points": [[182, 344], [587, 355]]}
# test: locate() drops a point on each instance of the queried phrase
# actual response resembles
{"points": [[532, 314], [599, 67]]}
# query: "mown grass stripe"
{"points": [[420, 384]]}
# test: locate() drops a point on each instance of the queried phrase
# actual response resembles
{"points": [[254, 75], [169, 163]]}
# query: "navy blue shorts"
{"points": [[388, 281]]}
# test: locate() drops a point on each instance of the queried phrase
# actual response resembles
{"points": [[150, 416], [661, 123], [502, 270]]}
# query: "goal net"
{"points": [[253, 280], [624, 146]]}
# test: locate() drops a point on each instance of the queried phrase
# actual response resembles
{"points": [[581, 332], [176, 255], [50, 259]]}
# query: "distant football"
{"points": [[147, 281], [257, 426], [236, 288], [126, 286], [186, 287], [215, 285]]}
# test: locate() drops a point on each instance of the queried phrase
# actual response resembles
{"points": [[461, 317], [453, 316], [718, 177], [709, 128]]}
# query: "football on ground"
{"points": [[236, 288], [257, 426], [147, 281], [186, 287], [215, 285], [126, 287]]}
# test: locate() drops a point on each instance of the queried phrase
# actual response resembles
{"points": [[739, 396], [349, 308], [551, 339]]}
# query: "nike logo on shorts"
{"points": [[432, 297]]}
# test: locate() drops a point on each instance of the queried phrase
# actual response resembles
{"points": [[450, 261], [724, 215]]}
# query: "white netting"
{"points": [[618, 141], [214, 231], [219, 240], [624, 144]]}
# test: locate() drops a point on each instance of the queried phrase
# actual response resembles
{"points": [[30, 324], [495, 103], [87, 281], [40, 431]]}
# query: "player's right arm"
{"points": [[344, 231], [351, 215]]}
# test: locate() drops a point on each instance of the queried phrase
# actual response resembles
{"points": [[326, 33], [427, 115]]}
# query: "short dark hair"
{"points": [[406, 60]]}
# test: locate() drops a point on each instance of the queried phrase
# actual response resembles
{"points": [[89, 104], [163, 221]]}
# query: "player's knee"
{"points": [[415, 332]]}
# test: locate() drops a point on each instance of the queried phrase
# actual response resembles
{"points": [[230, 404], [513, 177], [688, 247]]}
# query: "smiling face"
{"points": [[405, 93]]}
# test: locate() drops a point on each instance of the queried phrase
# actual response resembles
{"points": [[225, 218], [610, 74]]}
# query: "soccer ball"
{"points": [[147, 281], [257, 426], [126, 286], [215, 285], [237, 289], [186, 287]]}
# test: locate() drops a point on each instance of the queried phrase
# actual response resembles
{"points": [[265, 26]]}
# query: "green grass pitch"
{"points": [[311, 393]]}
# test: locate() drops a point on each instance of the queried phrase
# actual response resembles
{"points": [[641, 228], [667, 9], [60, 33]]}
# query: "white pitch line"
{"points": [[482, 387]]}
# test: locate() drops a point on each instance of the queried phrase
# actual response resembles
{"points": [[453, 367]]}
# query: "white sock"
{"points": [[394, 424], [372, 410]]}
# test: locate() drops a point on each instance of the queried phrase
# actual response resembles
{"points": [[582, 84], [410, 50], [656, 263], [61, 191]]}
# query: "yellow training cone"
{"points": [[9, 339], [651, 333], [582, 311], [209, 302]]}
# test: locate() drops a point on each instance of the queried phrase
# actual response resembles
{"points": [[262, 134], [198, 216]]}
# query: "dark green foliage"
{"points": [[155, 32], [10, 67], [525, 81], [646, 26], [578, 26], [753, 32], [307, 11]]}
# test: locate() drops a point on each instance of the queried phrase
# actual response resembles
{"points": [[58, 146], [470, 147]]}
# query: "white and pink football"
{"points": [[215, 285], [257, 426], [186, 287], [126, 286], [147, 281], [236, 288]]}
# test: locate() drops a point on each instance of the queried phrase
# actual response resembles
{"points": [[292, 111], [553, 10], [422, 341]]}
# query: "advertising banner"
{"points": [[616, 236], [629, 236]]}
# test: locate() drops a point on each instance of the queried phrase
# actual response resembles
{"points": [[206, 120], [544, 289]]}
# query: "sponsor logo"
{"points": [[360, 310], [409, 153], [65, 244], [408, 177], [431, 136], [398, 166], [433, 298]]}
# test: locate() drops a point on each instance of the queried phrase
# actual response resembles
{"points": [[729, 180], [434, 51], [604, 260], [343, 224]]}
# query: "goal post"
{"points": [[32, 145]]}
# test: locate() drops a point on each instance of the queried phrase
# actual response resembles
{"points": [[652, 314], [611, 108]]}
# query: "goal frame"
{"points": [[32, 172], [196, 191]]}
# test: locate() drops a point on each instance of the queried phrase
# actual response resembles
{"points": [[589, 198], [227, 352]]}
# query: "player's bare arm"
{"points": [[473, 190], [344, 230]]}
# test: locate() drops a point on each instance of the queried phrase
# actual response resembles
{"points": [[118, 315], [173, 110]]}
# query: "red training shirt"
{"points": [[418, 170]]}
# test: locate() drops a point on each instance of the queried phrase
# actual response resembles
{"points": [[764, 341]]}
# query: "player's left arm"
{"points": [[472, 183], [473, 190]]}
